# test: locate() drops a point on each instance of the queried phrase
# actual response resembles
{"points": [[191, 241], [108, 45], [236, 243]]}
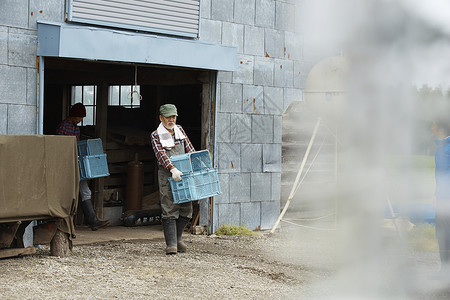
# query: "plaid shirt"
{"points": [[160, 152], [67, 128]]}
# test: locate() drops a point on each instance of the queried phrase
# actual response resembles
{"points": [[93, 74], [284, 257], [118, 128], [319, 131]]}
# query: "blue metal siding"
{"points": [[83, 42]]}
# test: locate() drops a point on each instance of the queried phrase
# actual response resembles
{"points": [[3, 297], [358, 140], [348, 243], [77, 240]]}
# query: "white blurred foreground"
{"points": [[381, 128]]}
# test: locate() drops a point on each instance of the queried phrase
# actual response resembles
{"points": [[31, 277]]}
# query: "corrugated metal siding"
{"points": [[177, 17]]}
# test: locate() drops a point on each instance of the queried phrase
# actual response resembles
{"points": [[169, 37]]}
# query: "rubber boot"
{"points": [[170, 235], [91, 216], [181, 224]]}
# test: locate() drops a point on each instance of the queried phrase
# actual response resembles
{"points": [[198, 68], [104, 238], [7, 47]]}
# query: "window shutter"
{"points": [[173, 17]]}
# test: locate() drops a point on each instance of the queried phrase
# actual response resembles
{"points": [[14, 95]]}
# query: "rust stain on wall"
{"points": [[254, 106]]}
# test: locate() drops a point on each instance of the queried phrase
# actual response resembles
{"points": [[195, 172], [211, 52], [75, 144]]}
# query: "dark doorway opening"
{"points": [[125, 126]]}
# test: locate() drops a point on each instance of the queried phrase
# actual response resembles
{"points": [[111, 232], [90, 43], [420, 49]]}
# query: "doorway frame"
{"points": [[208, 81]]}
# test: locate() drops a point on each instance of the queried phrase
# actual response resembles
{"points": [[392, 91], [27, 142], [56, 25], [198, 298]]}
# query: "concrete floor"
{"points": [[85, 235]]}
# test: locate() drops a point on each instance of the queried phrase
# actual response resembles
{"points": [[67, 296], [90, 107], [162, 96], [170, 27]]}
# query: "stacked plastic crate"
{"points": [[199, 179], [91, 159]]}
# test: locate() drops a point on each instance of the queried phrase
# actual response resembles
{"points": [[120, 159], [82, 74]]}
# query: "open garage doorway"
{"points": [[125, 124]]}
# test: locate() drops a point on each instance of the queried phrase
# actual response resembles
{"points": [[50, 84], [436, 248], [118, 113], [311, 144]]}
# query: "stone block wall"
{"points": [[250, 103], [18, 61]]}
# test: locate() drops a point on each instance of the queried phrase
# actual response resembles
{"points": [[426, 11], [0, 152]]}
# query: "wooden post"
{"points": [[59, 246], [159, 102], [209, 100], [101, 128], [65, 101], [206, 125]]}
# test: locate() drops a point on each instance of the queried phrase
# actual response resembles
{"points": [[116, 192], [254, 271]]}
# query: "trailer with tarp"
{"points": [[39, 181]]}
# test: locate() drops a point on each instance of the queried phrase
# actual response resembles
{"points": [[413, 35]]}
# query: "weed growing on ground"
{"points": [[234, 230], [423, 238]]}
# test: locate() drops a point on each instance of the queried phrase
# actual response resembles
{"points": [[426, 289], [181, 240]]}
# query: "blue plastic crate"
{"points": [[93, 166], [192, 162], [200, 160], [182, 162], [195, 186], [90, 147]]}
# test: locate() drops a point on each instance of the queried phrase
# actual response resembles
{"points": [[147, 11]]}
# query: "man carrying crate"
{"points": [[69, 127], [168, 140]]}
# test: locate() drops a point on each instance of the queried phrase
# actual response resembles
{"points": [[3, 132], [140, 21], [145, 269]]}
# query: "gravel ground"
{"points": [[293, 264], [213, 268]]}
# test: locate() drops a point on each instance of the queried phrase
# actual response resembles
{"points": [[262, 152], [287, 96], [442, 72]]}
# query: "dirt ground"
{"points": [[295, 263], [122, 262]]}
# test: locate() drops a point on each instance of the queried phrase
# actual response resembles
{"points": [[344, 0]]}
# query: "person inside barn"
{"points": [[167, 140], [441, 132], [70, 127]]}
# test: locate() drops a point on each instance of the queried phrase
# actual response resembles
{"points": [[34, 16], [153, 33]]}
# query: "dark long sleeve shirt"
{"points": [[67, 128]]}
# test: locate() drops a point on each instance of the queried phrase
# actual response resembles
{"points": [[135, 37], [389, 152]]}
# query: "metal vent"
{"points": [[175, 17]]}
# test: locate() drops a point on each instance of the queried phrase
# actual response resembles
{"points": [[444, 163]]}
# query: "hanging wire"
{"points": [[310, 219], [309, 227], [310, 166], [324, 124], [135, 91]]}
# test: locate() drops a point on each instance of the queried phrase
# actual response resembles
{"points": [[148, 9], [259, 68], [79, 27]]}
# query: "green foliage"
{"points": [[234, 230], [423, 238], [431, 102], [411, 178], [411, 161], [428, 93]]}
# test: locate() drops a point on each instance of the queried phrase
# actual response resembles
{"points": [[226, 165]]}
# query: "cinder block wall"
{"points": [[251, 101], [18, 62]]}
